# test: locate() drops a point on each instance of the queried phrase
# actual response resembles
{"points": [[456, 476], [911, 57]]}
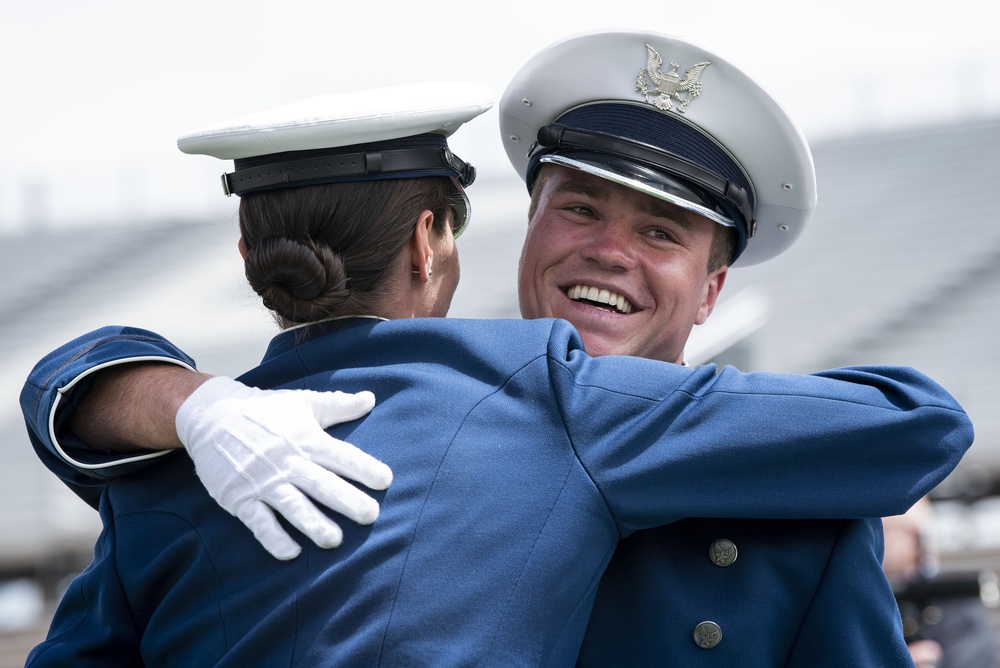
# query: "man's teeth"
{"points": [[601, 296]]}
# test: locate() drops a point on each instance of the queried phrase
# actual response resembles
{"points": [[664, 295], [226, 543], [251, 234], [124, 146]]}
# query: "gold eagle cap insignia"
{"points": [[662, 89]]}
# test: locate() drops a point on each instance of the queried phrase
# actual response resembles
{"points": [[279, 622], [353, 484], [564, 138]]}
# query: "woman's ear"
{"points": [[242, 248], [421, 253]]}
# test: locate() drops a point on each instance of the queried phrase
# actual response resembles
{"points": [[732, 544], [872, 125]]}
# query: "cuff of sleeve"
{"points": [[72, 450]]}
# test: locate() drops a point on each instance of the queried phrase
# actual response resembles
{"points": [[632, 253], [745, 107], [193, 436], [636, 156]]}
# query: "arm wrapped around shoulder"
{"points": [[941, 429], [874, 440], [260, 451], [663, 441]]}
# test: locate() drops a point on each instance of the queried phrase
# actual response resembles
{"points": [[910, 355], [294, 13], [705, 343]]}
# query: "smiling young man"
{"points": [[647, 185], [632, 273]]}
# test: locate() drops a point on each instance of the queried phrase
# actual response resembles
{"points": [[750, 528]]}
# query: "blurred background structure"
{"points": [[103, 221]]}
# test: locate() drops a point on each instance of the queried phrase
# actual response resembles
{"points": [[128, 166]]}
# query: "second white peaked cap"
{"points": [[671, 118]]}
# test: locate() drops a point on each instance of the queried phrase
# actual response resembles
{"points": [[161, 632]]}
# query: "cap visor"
{"points": [[645, 181]]}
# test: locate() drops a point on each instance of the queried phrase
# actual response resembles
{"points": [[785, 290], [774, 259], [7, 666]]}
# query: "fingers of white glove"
{"points": [[307, 518], [268, 532], [348, 461], [332, 408], [336, 494], [254, 447]]}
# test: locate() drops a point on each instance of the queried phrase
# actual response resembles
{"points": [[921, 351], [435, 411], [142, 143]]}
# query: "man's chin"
{"points": [[599, 345]]}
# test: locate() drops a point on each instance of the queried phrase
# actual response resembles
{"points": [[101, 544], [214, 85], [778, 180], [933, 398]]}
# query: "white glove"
{"points": [[260, 451]]}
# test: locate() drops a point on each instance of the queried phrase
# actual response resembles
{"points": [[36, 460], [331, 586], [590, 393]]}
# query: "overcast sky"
{"points": [[95, 93]]}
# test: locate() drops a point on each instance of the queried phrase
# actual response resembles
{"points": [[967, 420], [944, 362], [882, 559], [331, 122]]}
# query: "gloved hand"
{"points": [[260, 451]]}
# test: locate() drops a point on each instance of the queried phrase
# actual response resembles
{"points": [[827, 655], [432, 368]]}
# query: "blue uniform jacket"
{"points": [[520, 463]]}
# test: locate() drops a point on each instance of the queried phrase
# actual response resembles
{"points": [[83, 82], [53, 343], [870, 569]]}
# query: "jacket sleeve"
{"points": [[56, 384], [853, 619], [662, 441], [93, 624]]}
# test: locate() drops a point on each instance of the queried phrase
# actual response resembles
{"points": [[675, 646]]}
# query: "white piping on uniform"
{"points": [[72, 383]]}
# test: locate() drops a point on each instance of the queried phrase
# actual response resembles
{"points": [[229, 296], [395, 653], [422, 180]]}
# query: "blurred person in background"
{"points": [[946, 621]]}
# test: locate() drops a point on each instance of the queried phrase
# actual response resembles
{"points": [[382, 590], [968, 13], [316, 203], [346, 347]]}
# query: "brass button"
{"points": [[707, 635], [722, 552]]}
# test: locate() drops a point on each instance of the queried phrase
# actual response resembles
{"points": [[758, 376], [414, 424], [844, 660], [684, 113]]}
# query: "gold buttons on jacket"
{"points": [[707, 635], [722, 552]]}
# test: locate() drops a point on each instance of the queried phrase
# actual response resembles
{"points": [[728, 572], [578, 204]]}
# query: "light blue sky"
{"points": [[95, 94]]}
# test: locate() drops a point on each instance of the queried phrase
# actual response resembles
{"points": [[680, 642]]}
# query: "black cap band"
{"points": [[412, 157]]}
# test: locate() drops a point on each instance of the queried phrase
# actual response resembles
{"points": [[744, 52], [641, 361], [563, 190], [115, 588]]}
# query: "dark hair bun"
{"points": [[301, 280]]}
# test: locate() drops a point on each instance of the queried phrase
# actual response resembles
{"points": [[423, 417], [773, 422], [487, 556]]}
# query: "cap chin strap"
{"points": [[555, 137], [347, 166]]}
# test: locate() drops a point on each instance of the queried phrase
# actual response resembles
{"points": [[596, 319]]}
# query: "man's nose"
{"points": [[610, 245]]}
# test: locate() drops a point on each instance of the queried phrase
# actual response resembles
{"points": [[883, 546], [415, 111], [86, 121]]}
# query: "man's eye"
{"points": [[581, 210], [660, 233]]}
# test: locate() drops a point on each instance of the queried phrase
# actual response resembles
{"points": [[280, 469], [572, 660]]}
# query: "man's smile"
{"points": [[600, 297]]}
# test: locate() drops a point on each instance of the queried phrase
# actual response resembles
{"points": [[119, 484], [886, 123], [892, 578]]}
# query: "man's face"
{"points": [[591, 242]]}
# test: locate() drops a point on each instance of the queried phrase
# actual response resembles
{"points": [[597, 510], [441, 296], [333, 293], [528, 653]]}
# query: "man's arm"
{"points": [[93, 405], [850, 442], [134, 406]]}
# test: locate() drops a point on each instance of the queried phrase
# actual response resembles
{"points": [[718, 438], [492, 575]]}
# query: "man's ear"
{"points": [[421, 253], [242, 248], [713, 286]]}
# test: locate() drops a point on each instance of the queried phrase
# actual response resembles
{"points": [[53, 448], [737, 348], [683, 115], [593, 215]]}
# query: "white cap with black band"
{"points": [[663, 115], [383, 133]]}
